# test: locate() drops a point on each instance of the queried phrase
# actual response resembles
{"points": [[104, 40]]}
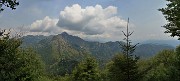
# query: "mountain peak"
{"points": [[64, 33]]}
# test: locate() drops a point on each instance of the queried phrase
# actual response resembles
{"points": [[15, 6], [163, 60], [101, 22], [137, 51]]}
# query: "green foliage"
{"points": [[9, 62], [63, 67], [159, 73], [178, 50], [45, 78], [177, 65], [118, 69], [56, 78], [163, 67], [104, 72], [8, 3], [17, 64], [172, 15], [86, 70], [65, 78], [31, 65]]}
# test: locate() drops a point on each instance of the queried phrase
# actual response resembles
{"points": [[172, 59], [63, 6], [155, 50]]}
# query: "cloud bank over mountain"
{"points": [[98, 20], [91, 22]]}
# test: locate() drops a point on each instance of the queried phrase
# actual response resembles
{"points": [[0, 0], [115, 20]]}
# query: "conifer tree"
{"points": [[126, 65], [131, 60]]}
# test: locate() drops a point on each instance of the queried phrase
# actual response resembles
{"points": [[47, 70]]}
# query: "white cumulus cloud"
{"points": [[45, 25], [91, 20]]}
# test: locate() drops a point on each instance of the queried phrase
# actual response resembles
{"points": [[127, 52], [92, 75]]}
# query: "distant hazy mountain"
{"points": [[168, 42], [148, 50]]}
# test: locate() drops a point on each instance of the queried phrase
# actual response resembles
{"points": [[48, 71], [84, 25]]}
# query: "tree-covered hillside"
{"points": [[100, 50]]}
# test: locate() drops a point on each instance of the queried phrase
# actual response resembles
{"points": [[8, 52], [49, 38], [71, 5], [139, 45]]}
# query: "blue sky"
{"points": [[99, 20]]}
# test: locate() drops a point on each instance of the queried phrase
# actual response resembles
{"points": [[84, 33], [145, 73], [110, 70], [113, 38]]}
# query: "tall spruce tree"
{"points": [[125, 65]]}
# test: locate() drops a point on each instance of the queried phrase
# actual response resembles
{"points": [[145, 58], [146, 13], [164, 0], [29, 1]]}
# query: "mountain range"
{"points": [[97, 49], [68, 50]]}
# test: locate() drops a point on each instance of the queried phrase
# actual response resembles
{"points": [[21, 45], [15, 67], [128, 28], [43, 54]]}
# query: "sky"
{"points": [[95, 20]]}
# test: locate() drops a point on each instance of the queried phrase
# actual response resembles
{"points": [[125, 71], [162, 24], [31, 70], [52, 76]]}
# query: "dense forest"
{"points": [[55, 58], [65, 57]]}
